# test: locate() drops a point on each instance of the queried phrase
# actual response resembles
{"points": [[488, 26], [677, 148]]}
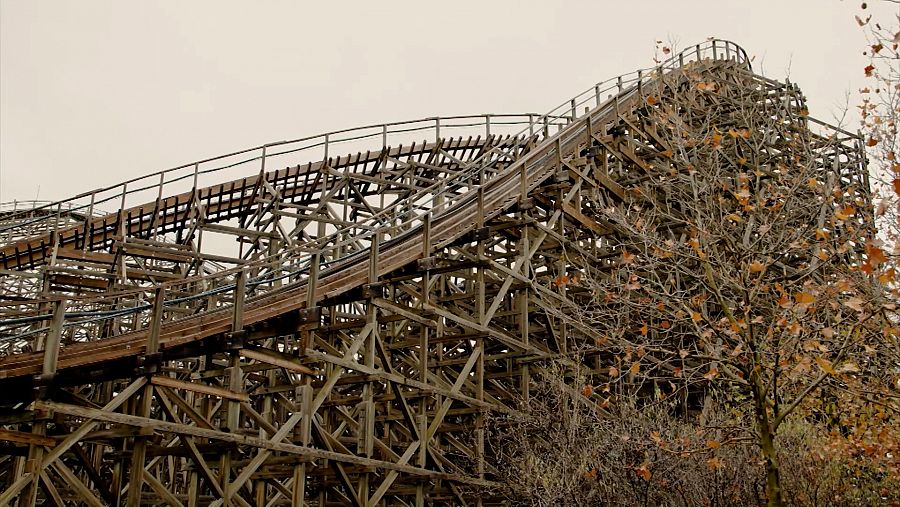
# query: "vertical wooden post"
{"points": [[305, 395], [50, 347], [421, 417], [139, 453], [366, 435], [235, 380]]}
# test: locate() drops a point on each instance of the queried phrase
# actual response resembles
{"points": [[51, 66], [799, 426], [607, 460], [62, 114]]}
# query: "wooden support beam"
{"points": [[197, 387]]}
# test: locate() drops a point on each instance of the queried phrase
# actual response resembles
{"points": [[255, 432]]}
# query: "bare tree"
{"points": [[741, 276]]}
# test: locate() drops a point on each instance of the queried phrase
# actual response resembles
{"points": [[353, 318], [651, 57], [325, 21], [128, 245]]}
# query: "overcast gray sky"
{"points": [[92, 93]]}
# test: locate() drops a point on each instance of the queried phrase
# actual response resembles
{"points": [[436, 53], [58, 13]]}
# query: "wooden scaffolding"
{"points": [[333, 332]]}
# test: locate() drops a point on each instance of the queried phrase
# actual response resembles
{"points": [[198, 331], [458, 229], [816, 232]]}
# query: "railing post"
{"points": [[437, 130], [262, 165], [124, 193], [574, 111], [384, 136], [597, 94], [426, 235], [326, 148], [487, 125], [156, 314], [122, 222], [523, 182], [240, 290], [714, 52], [54, 338], [313, 282], [157, 219], [87, 223], [373, 257]]}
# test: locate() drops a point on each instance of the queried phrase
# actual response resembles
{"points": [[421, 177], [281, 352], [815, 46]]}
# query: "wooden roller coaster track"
{"points": [[332, 332]]}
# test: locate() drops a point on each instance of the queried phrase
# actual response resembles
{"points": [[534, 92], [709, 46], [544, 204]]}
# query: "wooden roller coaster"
{"points": [[332, 332]]}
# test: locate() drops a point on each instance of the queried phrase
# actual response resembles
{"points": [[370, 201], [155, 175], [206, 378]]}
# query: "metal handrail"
{"points": [[567, 111]]}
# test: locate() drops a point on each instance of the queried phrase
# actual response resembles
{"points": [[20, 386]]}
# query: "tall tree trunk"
{"points": [[766, 435]]}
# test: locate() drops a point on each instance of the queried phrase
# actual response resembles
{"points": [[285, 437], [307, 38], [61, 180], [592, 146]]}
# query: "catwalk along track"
{"points": [[330, 320]]}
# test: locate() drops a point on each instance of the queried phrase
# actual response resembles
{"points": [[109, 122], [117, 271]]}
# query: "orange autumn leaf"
{"points": [[844, 213], [867, 268], [665, 324], [627, 257], [644, 329], [587, 390], [652, 100], [757, 267], [713, 444], [561, 280], [711, 374], [696, 317], [871, 142], [875, 254], [635, 367], [825, 365], [613, 371], [643, 473], [896, 184], [868, 70], [804, 298]]}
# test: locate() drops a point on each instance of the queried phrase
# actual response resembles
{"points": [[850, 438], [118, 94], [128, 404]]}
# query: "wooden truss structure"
{"points": [[333, 332]]}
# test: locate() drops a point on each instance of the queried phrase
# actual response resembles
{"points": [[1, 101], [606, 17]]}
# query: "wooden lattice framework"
{"points": [[335, 332]]}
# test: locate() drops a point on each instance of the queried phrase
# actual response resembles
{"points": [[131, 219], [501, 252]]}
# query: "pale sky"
{"points": [[93, 93]]}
